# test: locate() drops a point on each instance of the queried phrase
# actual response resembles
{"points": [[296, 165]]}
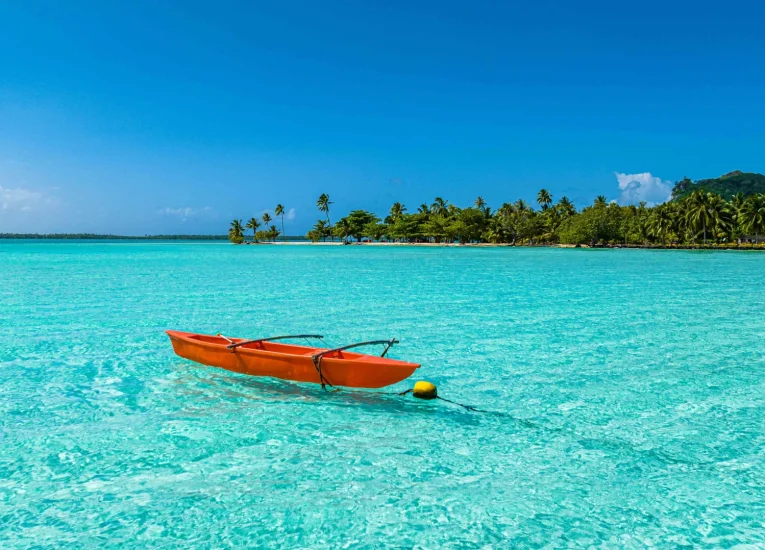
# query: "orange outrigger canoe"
{"points": [[265, 357]]}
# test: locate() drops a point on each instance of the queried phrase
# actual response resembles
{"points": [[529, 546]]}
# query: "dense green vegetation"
{"points": [[695, 216], [236, 230], [727, 186], [700, 218]]}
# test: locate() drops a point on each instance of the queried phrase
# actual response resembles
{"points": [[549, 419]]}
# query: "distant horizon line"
{"points": [[109, 236]]}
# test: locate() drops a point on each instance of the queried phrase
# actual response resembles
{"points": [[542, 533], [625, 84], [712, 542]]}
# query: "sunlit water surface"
{"points": [[626, 390]]}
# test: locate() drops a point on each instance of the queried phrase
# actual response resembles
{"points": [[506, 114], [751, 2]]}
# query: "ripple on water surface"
{"points": [[627, 390]]}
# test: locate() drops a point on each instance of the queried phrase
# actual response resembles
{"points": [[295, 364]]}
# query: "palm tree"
{"points": [[601, 200], [479, 203], [737, 204], [738, 201], [506, 210], [273, 232], [544, 199], [698, 210], [279, 211], [492, 235], [323, 205], [423, 209], [266, 218], [677, 215], [253, 224], [566, 207], [236, 232], [660, 222], [439, 206], [343, 229], [321, 229], [396, 211], [752, 215], [721, 214], [521, 206]]}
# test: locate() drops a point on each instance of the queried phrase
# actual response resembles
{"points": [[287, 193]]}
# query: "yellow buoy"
{"points": [[424, 390]]}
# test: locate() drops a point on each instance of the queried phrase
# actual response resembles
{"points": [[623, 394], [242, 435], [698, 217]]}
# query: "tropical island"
{"points": [[728, 211]]}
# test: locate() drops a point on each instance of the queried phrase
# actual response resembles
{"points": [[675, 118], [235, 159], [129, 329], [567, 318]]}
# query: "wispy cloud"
{"points": [[186, 213], [636, 188], [19, 199], [290, 215]]}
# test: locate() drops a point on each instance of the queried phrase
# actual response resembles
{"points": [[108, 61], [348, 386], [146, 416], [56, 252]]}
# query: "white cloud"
{"points": [[637, 188], [27, 208], [185, 213], [22, 200], [290, 215]]}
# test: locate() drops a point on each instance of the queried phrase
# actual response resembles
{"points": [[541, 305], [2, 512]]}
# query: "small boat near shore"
{"points": [[318, 365]]}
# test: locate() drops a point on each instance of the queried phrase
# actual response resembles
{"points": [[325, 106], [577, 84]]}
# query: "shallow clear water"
{"points": [[627, 390]]}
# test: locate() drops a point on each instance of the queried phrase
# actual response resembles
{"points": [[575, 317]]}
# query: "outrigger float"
{"points": [[268, 357]]}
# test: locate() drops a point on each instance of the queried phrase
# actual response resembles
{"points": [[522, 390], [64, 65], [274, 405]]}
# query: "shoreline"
{"points": [[757, 247], [177, 239]]}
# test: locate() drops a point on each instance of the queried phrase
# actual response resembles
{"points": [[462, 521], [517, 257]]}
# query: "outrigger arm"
{"points": [[233, 345], [389, 344]]}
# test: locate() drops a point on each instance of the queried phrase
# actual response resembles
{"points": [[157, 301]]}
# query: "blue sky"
{"points": [[175, 117]]}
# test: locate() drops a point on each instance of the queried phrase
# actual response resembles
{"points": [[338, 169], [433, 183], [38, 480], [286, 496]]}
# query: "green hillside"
{"points": [[726, 186]]}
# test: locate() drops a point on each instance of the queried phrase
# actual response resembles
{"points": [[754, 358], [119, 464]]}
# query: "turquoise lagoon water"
{"points": [[627, 390]]}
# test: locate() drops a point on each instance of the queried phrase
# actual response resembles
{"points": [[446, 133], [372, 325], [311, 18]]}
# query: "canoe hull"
{"points": [[290, 362]]}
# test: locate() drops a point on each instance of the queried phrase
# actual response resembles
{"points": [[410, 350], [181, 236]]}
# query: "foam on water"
{"points": [[628, 385]]}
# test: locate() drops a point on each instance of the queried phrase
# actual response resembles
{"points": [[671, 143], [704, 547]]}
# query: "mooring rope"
{"points": [[324, 381], [466, 407]]}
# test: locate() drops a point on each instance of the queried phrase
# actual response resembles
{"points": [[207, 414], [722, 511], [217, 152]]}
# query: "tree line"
{"points": [[698, 218], [236, 232]]}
